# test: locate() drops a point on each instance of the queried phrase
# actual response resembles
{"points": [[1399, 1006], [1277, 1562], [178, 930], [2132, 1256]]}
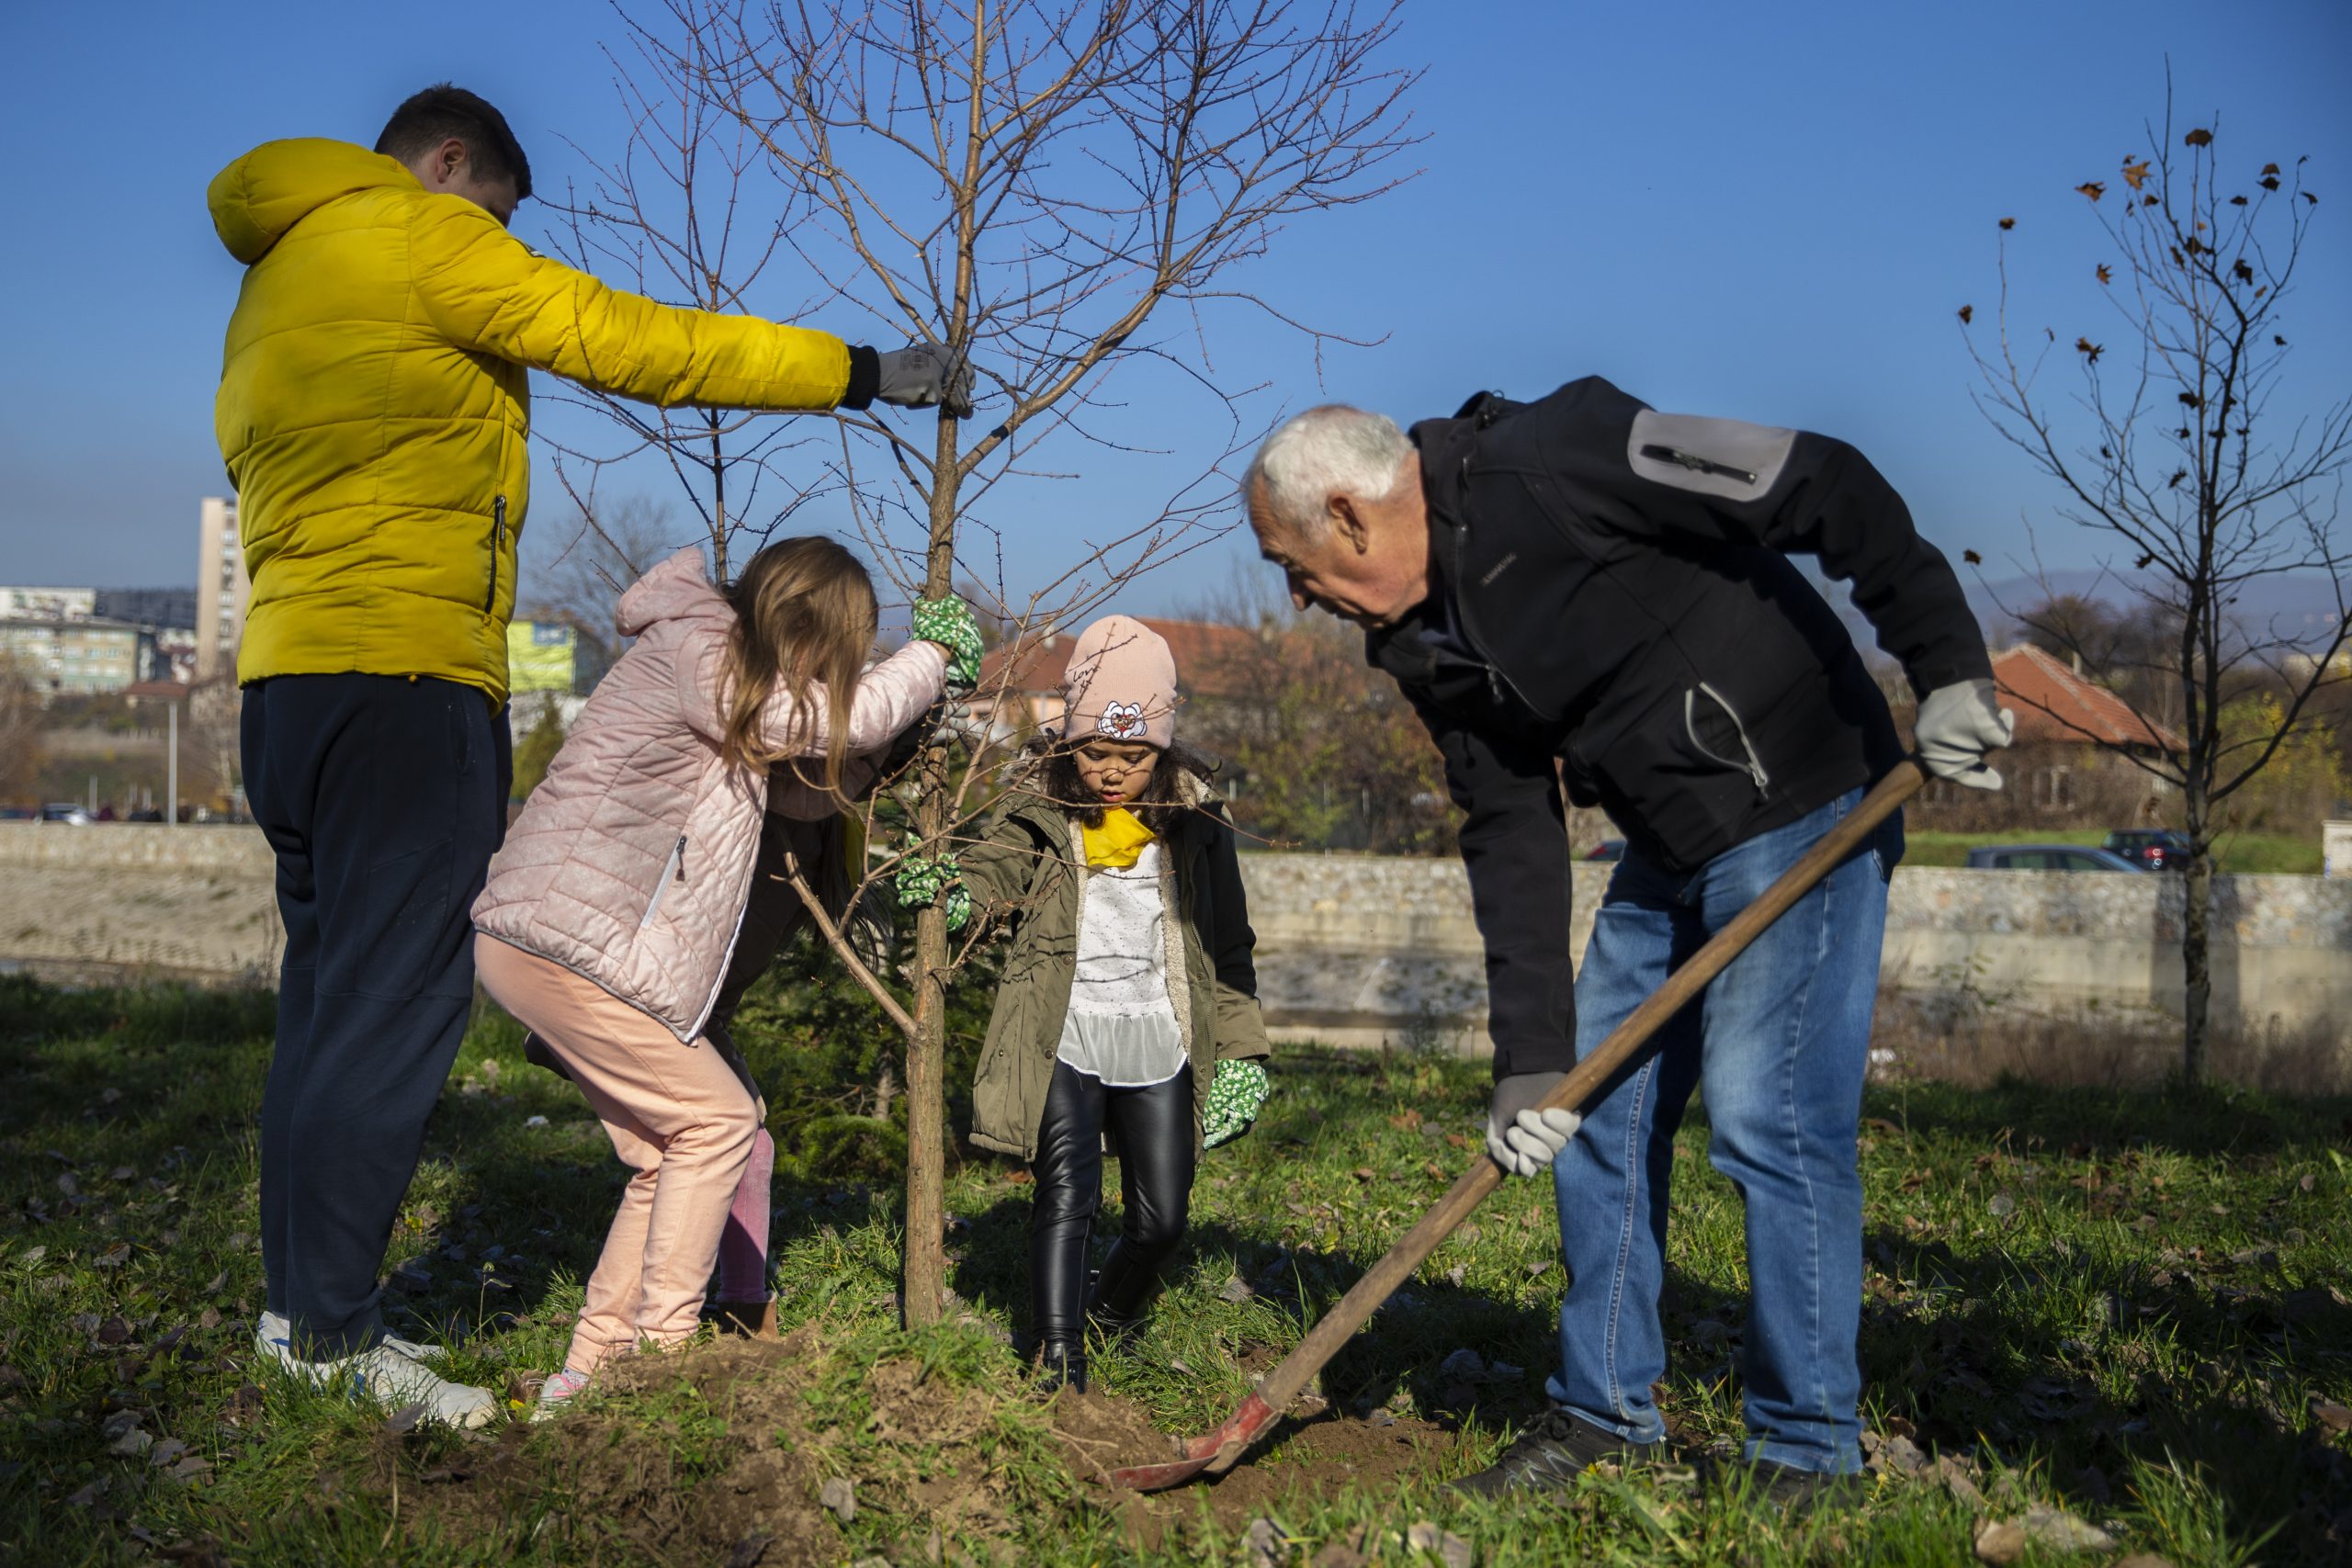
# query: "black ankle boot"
{"points": [[1122, 1297], [1061, 1363]]}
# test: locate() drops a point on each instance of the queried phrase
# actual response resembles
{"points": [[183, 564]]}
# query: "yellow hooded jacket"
{"points": [[375, 403]]}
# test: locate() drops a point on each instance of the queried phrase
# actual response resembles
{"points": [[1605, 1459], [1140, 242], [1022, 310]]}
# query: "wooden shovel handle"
{"points": [[1285, 1382]]}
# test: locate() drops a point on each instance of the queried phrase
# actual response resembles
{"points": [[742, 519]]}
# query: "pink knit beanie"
{"points": [[1121, 684]]}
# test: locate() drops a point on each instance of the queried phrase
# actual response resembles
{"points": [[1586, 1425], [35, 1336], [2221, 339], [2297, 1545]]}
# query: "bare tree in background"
{"points": [[2186, 448], [684, 212], [1024, 185], [607, 546], [21, 722], [1326, 752]]}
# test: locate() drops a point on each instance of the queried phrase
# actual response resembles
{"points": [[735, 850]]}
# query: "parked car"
{"points": [[2046, 857], [2153, 848], [65, 811], [1607, 849]]}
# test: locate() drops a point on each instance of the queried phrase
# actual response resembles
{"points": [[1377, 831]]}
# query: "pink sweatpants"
{"points": [[678, 1118]]}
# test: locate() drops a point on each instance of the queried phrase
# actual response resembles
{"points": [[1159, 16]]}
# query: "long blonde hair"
{"points": [[805, 617]]}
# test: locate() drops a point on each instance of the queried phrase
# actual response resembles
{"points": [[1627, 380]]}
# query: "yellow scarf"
{"points": [[1119, 843]]}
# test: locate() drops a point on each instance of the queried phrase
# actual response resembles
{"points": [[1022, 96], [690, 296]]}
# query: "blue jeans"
{"points": [[1781, 1039]]}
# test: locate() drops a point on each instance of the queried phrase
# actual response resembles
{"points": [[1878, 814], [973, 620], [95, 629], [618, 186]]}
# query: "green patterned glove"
{"points": [[949, 622], [1234, 1099], [921, 881]]}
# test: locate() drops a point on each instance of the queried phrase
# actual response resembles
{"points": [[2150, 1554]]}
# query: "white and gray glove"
{"points": [[1523, 1139], [917, 377], [1957, 725]]}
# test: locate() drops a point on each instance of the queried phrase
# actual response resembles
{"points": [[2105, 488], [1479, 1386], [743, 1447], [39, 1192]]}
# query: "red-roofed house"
{"points": [[2063, 767], [2054, 705]]}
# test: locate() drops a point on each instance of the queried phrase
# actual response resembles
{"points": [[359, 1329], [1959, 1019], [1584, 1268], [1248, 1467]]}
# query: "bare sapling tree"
{"points": [[1029, 187], [2204, 466], [685, 213]]}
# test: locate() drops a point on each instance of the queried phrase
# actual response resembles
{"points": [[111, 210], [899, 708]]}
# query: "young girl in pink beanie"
{"points": [[1128, 1005]]}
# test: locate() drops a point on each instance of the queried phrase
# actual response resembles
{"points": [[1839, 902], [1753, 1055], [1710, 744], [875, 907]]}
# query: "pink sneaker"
{"points": [[556, 1393]]}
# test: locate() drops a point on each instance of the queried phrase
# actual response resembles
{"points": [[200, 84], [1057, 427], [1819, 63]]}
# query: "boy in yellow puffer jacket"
{"points": [[374, 413]]}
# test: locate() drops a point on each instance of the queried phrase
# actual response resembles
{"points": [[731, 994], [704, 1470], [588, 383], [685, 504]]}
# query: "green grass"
{"points": [[2236, 853], [2128, 1304]]}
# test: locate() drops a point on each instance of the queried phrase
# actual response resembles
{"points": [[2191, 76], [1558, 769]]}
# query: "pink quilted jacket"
{"points": [[632, 860]]}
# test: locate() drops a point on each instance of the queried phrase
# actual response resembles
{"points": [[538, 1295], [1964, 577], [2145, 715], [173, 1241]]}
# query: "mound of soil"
{"points": [[711, 1457], [1314, 1456]]}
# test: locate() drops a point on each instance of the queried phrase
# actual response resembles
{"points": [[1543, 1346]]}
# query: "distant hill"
{"points": [[2296, 605], [2300, 607]]}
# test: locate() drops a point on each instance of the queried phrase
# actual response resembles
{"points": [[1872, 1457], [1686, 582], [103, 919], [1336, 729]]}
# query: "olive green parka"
{"points": [[1029, 872]]}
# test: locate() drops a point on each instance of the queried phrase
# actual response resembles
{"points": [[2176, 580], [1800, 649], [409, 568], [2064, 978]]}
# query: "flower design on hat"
{"points": [[1122, 721]]}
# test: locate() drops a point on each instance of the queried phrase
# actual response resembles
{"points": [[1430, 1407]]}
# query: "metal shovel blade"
{"points": [[1216, 1453], [1241, 1429]]}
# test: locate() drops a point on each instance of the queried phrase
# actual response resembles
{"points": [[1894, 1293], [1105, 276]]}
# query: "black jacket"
{"points": [[1611, 589]]}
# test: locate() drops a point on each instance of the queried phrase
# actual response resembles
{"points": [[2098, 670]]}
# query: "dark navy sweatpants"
{"points": [[383, 798]]}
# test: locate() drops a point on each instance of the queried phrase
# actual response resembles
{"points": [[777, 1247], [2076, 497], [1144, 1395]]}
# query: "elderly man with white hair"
{"points": [[1582, 593]]}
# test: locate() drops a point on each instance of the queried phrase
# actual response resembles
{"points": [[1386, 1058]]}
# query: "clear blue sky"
{"points": [[1765, 211]]}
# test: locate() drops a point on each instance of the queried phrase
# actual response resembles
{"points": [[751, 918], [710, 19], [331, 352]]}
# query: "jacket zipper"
{"points": [[1495, 680], [1697, 464], [673, 870], [1754, 766], [497, 547]]}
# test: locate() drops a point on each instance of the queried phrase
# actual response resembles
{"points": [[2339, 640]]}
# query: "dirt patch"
{"points": [[699, 1458], [1319, 1456], [723, 1454]]}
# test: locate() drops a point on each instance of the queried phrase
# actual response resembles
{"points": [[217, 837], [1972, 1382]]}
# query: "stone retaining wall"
{"points": [[1361, 949], [1373, 949]]}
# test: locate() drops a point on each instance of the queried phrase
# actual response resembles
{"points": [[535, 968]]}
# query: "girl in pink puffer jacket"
{"points": [[610, 915]]}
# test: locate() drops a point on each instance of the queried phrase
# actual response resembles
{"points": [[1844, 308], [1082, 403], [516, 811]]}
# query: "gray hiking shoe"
{"points": [[1551, 1455]]}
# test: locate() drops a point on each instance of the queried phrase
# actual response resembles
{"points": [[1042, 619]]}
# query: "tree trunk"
{"points": [[885, 1090], [926, 1259], [2195, 938]]}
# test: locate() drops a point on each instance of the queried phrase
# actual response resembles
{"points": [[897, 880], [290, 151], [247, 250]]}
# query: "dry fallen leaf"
{"points": [[2200, 136], [2104, 275], [2092, 188], [2134, 174]]}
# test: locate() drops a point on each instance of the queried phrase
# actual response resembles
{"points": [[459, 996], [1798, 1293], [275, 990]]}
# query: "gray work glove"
{"points": [[916, 377], [1523, 1139], [1957, 724]]}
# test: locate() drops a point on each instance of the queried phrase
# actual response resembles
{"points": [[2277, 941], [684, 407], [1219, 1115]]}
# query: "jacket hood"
{"points": [[678, 589], [261, 196]]}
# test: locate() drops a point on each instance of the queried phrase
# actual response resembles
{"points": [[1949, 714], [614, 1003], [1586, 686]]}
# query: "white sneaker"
{"points": [[274, 1338], [392, 1381]]}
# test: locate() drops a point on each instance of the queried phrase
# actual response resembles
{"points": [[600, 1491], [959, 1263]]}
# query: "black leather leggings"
{"points": [[1154, 1128]]}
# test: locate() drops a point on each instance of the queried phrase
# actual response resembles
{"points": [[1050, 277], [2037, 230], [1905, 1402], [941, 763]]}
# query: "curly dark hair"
{"points": [[1054, 775]]}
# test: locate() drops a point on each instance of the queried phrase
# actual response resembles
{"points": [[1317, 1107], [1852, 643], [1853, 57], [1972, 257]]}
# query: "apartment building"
{"points": [[222, 587]]}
